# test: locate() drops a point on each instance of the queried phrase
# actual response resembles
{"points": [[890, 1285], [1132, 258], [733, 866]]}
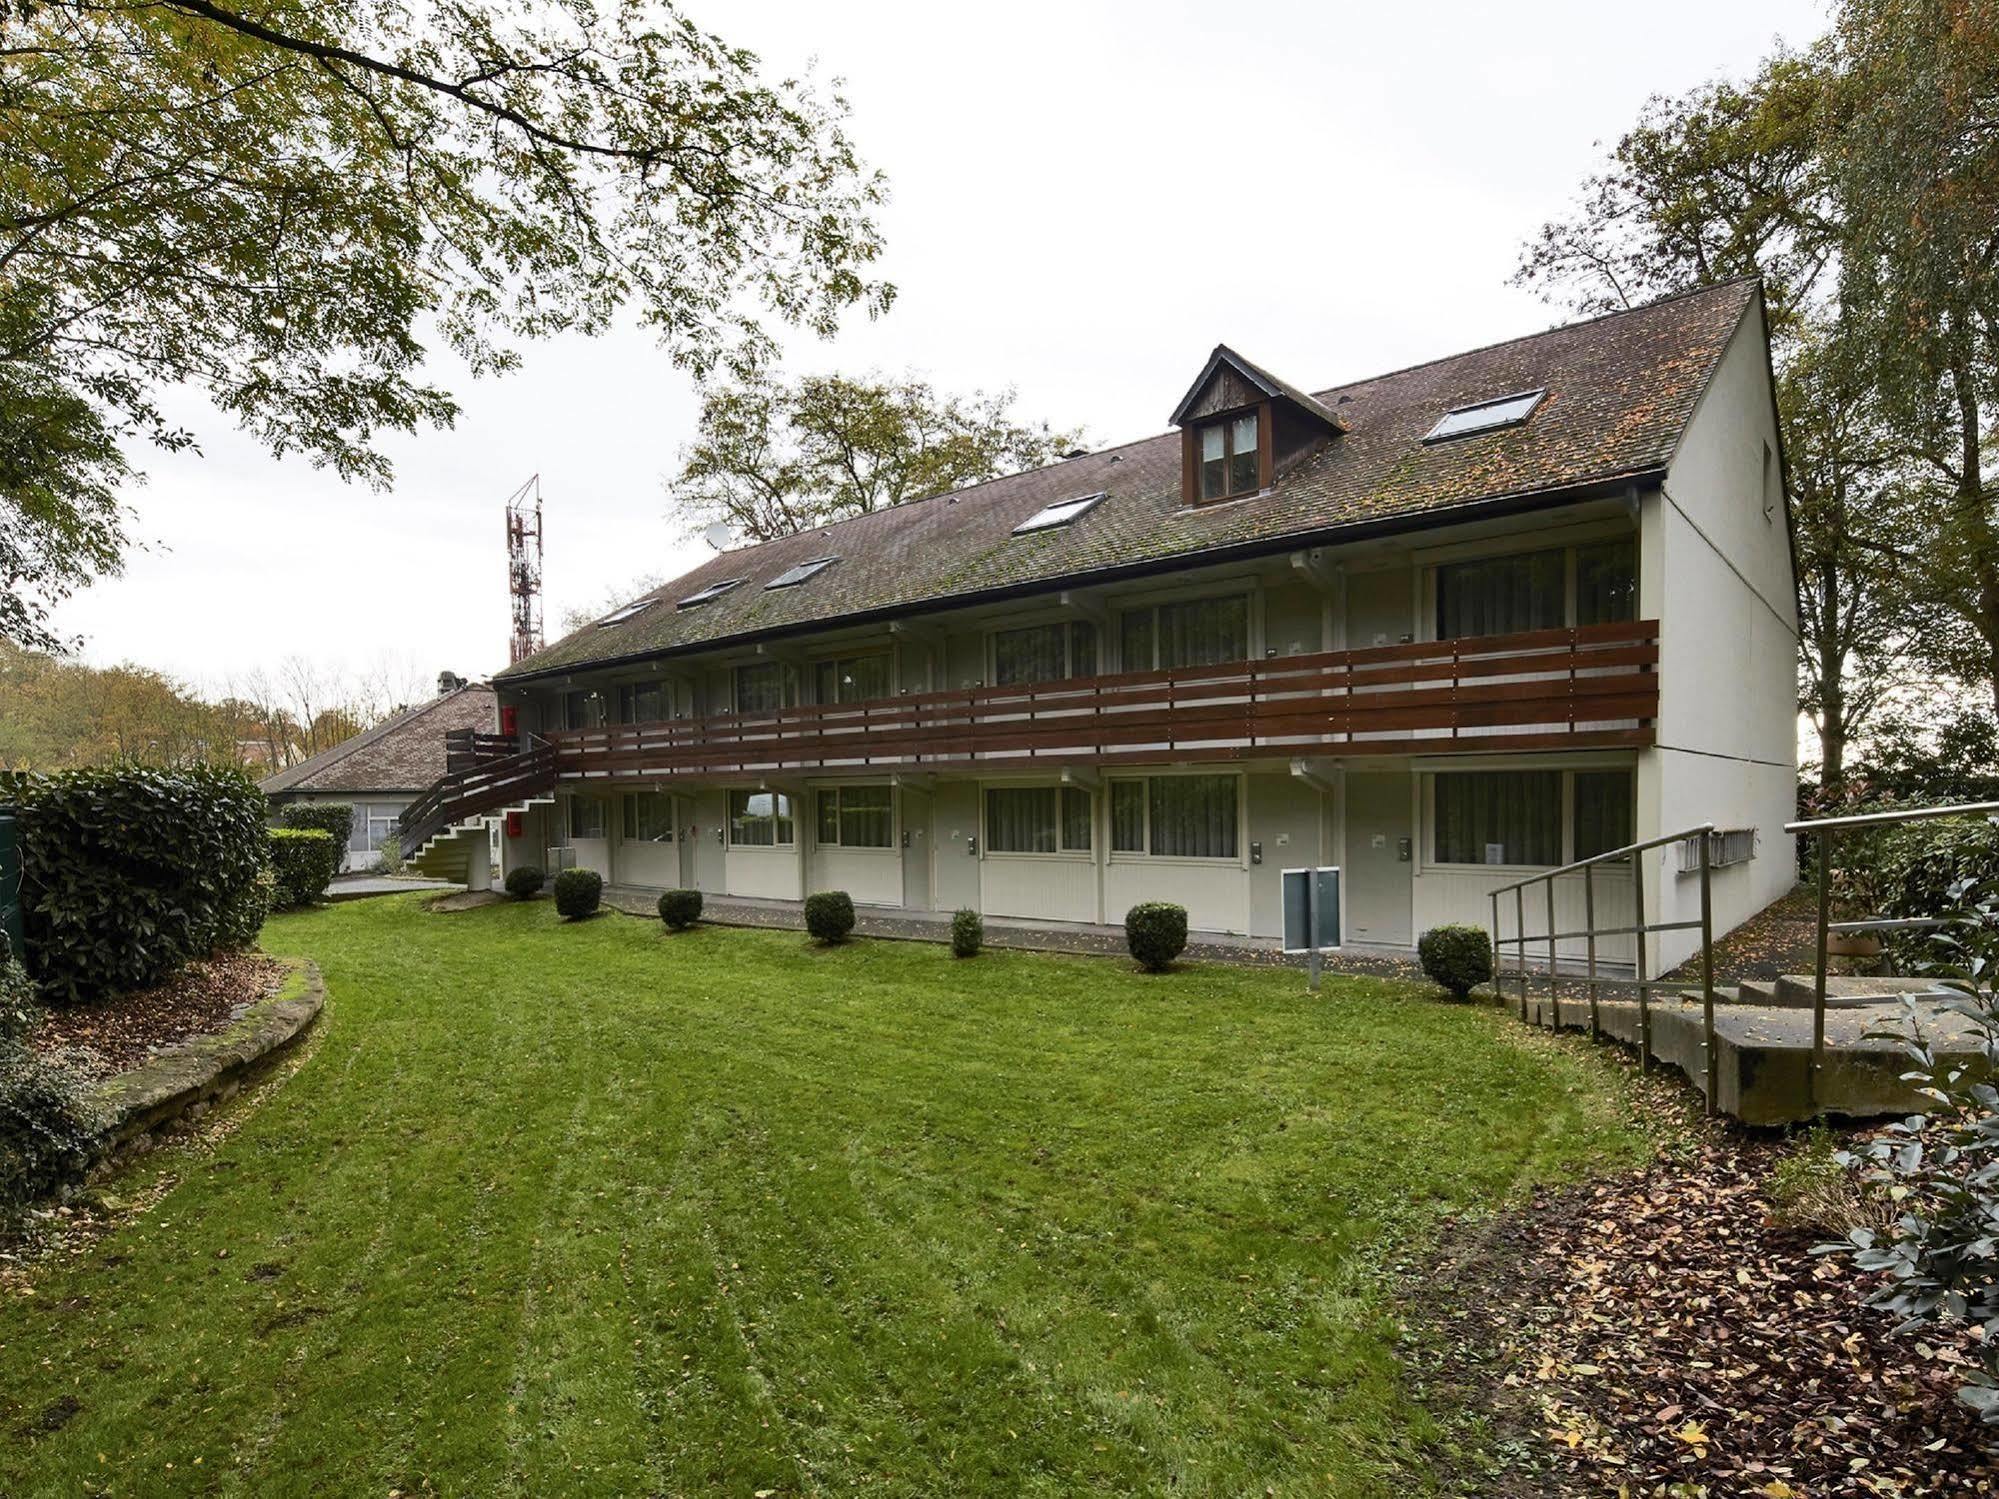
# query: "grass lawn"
{"points": [[598, 1209]]}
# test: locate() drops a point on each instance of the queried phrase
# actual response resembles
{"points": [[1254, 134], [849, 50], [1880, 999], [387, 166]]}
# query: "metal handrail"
{"points": [[1641, 928], [1828, 830]]}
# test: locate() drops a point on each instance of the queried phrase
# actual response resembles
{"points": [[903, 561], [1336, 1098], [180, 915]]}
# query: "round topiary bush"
{"points": [[829, 915], [1457, 958], [680, 909], [1156, 933], [968, 934], [525, 882], [578, 893]]}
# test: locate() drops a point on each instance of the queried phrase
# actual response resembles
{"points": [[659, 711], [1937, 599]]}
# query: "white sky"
{"points": [[1086, 198]]}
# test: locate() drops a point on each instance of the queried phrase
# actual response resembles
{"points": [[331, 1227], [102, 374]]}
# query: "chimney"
{"points": [[448, 681]]}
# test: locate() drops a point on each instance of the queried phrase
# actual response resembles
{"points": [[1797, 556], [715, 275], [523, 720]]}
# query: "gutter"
{"points": [[1502, 505]]}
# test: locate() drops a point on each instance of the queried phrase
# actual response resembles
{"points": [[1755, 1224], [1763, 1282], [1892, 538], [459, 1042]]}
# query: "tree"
{"points": [[1736, 179], [278, 205], [778, 456]]}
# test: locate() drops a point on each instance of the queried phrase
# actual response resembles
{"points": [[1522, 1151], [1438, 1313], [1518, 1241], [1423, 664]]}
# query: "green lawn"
{"points": [[596, 1209]]}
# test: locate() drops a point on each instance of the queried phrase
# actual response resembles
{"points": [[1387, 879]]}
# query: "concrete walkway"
{"points": [[354, 886]]}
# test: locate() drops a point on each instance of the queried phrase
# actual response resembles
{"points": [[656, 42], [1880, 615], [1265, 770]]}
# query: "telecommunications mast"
{"points": [[524, 569]]}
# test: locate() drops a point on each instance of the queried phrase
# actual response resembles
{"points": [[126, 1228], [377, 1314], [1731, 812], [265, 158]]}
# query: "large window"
{"points": [[1044, 653], [763, 687], [586, 817], [648, 817], [852, 679], [378, 826], [856, 817], [584, 709], [1198, 632], [1531, 817], [1592, 584], [760, 819], [1230, 461], [1176, 817], [644, 702], [1037, 820]]}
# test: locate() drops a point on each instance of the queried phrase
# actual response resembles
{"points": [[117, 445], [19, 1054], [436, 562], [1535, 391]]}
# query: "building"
{"points": [[383, 769], [1475, 618]]}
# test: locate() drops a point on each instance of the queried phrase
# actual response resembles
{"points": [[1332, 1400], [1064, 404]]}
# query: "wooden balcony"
{"points": [[1592, 687]]}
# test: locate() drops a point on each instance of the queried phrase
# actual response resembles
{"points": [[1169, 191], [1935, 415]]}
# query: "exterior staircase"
{"points": [[446, 833]]}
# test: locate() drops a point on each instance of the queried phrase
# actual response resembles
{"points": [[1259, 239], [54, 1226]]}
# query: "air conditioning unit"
{"points": [[560, 859], [1725, 846]]}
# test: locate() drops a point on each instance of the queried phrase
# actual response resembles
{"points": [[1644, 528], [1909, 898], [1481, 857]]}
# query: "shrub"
{"points": [[303, 863], [829, 915], [129, 871], [525, 881], [1924, 868], [1457, 958], [45, 1135], [1156, 933], [20, 1008], [578, 892], [335, 819], [968, 934], [680, 909], [390, 855]]}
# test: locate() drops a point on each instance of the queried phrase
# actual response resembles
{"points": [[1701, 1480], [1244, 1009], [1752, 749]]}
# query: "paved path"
{"points": [[354, 886]]}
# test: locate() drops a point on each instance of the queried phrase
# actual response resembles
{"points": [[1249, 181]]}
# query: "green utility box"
{"points": [[10, 883]]}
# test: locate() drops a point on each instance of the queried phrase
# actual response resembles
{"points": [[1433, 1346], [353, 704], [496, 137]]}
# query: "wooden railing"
{"points": [[1591, 687], [466, 748], [460, 794]]}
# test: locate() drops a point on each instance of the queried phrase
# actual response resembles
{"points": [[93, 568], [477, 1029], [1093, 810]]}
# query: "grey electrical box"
{"points": [[1311, 909]]}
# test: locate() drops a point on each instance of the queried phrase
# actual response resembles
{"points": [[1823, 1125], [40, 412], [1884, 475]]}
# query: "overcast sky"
{"points": [[1086, 198]]}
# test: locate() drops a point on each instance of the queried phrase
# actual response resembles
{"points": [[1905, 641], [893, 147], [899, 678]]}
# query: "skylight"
{"points": [[1058, 514], [1485, 416], [712, 591], [630, 611], [791, 577]]}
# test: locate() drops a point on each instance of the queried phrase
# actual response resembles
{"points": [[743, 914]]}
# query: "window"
{"points": [[1486, 416], [380, 824], [1501, 595], [644, 702], [648, 817], [630, 611], [1037, 820], [856, 817], [1044, 653], [584, 710], [851, 679], [1605, 812], [791, 577], [586, 817], [712, 591], [763, 687], [1175, 817], [1607, 582], [1061, 513], [1200, 632], [1230, 459], [760, 819], [1499, 817]]}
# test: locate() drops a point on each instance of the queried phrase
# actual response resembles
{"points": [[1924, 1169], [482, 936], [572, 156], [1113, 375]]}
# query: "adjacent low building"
{"points": [[1469, 620]]}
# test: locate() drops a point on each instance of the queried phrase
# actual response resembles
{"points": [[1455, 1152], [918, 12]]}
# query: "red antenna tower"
{"points": [[524, 569]]}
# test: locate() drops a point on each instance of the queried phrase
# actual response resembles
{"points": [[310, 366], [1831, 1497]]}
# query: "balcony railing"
{"points": [[1595, 686]]}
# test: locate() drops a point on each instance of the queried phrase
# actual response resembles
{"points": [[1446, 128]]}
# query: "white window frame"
{"points": [[569, 819], [1567, 541], [1067, 622], [1153, 603], [729, 819], [1238, 860], [1060, 854], [835, 791], [628, 816], [1427, 839]]}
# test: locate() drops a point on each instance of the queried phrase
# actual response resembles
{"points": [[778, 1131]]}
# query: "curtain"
{"points": [[1033, 654], [1127, 817], [1021, 819], [586, 817], [761, 688], [759, 819], [1500, 595], [649, 817], [866, 817], [1193, 817], [853, 679], [829, 817], [1204, 632], [1606, 584], [584, 710], [1605, 814], [1499, 817], [1076, 819], [643, 702], [1135, 641]]}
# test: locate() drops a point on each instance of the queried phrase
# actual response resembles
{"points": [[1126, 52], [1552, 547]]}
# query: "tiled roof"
{"points": [[1620, 390], [404, 752]]}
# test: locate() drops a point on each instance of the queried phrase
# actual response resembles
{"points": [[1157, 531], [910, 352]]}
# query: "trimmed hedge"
{"points": [[968, 933], [1456, 957], [303, 863], [578, 893], [680, 909], [829, 916], [129, 871], [335, 819], [1156, 933], [525, 881]]}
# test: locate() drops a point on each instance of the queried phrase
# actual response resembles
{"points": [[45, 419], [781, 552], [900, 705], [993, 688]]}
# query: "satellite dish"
{"points": [[718, 536]]}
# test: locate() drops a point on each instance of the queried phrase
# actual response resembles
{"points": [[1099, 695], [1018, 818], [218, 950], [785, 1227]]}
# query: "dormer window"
{"points": [[1231, 458]]}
